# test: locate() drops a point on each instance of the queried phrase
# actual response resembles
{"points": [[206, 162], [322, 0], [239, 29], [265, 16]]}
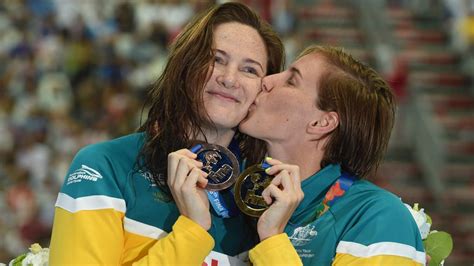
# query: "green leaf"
{"points": [[428, 219], [438, 245], [17, 261]]}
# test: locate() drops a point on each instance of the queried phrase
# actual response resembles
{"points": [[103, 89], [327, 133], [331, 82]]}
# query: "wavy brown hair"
{"points": [[366, 107], [175, 117]]}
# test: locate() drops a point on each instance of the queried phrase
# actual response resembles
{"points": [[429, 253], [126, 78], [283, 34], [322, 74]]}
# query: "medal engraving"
{"points": [[249, 188], [221, 165]]}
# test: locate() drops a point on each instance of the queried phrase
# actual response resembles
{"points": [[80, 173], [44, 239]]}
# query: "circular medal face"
{"points": [[221, 165], [248, 190]]}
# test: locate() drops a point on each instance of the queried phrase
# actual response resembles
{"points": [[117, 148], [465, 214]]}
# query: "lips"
{"points": [[224, 96]]}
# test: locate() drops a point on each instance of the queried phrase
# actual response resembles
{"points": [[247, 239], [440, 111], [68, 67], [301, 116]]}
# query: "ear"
{"points": [[323, 125]]}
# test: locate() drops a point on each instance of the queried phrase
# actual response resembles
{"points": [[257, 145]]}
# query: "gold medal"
{"points": [[248, 190]]}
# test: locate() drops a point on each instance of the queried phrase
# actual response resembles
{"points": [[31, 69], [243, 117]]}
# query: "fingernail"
{"points": [[267, 169], [268, 158]]}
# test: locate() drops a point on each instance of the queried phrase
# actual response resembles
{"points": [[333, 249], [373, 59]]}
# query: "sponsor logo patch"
{"points": [[83, 173]]}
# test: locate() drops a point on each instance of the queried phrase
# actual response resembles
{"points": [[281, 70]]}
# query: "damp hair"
{"points": [[366, 106], [176, 113]]}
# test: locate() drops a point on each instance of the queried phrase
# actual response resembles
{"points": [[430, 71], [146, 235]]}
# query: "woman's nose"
{"points": [[268, 83], [228, 78]]}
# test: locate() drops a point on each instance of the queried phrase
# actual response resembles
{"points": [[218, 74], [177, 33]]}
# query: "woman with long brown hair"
{"points": [[140, 198]]}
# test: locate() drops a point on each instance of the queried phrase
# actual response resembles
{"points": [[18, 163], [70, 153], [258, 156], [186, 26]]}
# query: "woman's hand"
{"points": [[187, 181], [284, 194]]}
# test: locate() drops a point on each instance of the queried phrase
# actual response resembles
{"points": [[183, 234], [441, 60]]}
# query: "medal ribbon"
{"points": [[219, 205], [216, 199]]}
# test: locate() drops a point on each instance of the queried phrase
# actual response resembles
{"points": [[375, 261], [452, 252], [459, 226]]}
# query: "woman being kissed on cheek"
{"points": [[140, 199]]}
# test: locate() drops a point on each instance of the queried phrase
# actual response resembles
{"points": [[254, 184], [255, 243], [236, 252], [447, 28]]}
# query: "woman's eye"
{"points": [[250, 70], [218, 60], [290, 82]]}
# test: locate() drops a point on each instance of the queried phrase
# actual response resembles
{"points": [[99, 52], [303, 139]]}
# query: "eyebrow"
{"points": [[296, 70], [247, 60]]}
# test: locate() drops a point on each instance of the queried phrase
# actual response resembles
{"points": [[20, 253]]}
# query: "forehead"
{"points": [[312, 67], [241, 41]]}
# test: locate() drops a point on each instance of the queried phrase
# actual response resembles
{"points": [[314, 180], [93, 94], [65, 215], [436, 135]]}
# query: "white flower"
{"points": [[37, 256], [420, 219], [35, 248], [40, 258]]}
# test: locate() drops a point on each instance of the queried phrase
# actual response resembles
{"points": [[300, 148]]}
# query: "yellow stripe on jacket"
{"points": [[97, 237]]}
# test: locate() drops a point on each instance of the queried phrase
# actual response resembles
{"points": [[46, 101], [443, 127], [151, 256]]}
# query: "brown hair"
{"points": [[176, 115], [366, 107]]}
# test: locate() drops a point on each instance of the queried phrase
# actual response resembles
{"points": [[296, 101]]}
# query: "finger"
{"points": [[187, 153], [173, 160], [201, 180], [191, 180], [286, 180], [196, 163], [295, 175], [295, 180], [271, 193], [294, 171], [272, 161], [266, 195], [190, 155], [293, 192], [182, 172], [276, 180], [299, 190], [273, 170]]}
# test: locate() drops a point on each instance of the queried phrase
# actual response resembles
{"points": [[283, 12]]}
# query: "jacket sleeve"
{"points": [[187, 244], [89, 212], [89, 223], [96, 238], [275, 250], [92, 237], [385, 234]]}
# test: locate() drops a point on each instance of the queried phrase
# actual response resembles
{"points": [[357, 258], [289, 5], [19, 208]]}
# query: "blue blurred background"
{"points": [[76, 72]]}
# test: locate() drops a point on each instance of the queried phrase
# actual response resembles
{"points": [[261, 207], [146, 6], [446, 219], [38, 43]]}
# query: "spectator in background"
{"points": [[467, 29]]}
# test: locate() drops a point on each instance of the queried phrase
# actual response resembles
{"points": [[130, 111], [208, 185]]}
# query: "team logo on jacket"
{"points": [[303, 235], [83, 173], [149, 177]]}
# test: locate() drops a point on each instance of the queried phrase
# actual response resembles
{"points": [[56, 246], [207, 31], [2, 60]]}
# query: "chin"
{"points": [[225, 124], [246, 128]]}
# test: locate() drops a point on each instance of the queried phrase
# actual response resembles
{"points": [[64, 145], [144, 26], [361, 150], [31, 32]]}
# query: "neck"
{"points": [[307, 155], [221, 137]]}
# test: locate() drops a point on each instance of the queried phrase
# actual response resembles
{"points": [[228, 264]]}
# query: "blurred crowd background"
{"points": [[77, 72]]}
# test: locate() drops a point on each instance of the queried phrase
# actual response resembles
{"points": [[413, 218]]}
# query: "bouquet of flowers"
{"points": [[438, 244], [37, 256]]}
